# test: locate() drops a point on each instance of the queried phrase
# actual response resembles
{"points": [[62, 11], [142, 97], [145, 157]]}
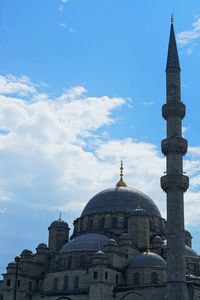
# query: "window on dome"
{"points": [[136, 278], [82, 261], [30, 286], [154, 278], [114, 222], [106, 275], [76, 282], [18, 283], [102, 223], [66, 282], [69, 262]]}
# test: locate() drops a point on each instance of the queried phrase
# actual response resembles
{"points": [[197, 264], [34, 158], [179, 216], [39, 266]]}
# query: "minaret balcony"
{"points": [[173, 109], [174, 182], [174, 145]]}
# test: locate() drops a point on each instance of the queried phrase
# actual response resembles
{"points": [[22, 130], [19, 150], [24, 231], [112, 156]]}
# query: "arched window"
{"points": [[116, 279], [114, 222], [126, 223], [30, 286], [136, 278], [154, 278], [55, 284], [91, 223], [76, 282], [102, 223], [82, 261], [66, 282], [69, 262]]}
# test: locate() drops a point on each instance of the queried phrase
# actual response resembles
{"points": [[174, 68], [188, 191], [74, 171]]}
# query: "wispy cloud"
{"points": [[62, 4], [148, 103], [189, 37]]}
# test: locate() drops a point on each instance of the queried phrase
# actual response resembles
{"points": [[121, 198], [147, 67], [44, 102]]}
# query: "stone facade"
{"points": [[121, 247]]}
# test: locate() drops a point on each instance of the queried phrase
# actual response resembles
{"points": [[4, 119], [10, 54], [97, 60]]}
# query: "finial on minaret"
{"points": [[121, 181], [172, 19], [60, 216]]}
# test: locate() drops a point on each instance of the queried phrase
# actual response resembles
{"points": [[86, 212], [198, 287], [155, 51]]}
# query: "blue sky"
{"points": [[82, 84]]}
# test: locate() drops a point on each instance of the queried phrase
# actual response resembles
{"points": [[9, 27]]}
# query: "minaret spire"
{"points": [[174, 183]]}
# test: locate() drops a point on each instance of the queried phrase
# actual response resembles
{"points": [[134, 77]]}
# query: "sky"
{"points": [[82, 83]]}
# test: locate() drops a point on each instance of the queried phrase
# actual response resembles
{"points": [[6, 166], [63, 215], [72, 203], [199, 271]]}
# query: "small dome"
{"points": [[187, 233], [100, 254], [125, 236], [59, 223], [147, 259], [121, 200], [42, 246], [11, 265], [189, 252], [26, 252], [157, 239], [86, 242], [111, 242]]}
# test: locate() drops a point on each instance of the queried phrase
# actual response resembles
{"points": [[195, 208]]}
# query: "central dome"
{"points": [[120, 199]]}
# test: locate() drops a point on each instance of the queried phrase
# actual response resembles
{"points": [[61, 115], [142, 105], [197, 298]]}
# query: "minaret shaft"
{"points": [[174, 183]]}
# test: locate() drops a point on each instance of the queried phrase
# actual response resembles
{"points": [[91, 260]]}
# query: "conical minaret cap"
{"points": [[172, 56]]}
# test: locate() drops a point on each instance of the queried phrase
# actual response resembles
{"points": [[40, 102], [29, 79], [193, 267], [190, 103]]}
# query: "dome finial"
{"points": [[121, 181], [60, 216]]}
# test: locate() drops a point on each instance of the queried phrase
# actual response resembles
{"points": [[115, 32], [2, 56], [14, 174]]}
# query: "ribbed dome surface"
{"points": [[122, 199], [190, 252], [147, 259], [86, 242]]}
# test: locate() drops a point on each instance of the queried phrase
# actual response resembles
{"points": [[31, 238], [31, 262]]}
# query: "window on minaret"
{"points": [[82, 261], [136, 278], [102, 223], [116, 279], [76, 282], [69, 262], [114, 222], [66, 282], [154, 278], [55, 284]]}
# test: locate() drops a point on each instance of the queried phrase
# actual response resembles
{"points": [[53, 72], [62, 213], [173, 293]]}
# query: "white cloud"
{"points": [[62, 4], [21, 85], [54, 156], [188, 37]]}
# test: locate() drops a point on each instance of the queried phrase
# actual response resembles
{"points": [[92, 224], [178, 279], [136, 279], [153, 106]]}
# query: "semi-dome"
{"points": [[86, 242], [189, 252], [26, 252], [147, 259], [121, 199]]}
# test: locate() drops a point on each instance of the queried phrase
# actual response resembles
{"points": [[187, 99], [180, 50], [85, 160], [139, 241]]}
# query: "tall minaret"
{"points": [[174, 183]]}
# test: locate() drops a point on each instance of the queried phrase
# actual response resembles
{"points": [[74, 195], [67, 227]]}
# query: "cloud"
{"points": [[21, 85], [62, 4], [56, 153], [188, 37]]}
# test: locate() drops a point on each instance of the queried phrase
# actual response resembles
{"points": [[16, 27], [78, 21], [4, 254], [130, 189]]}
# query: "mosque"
{"points": [[121, 247]]}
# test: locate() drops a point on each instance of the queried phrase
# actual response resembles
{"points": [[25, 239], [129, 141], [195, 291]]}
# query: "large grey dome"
{"points": [[147, 259], [120, 199], [86, 242]]}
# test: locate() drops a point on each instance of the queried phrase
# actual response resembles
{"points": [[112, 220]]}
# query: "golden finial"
{"points": [[121, 181], [172, 18]]}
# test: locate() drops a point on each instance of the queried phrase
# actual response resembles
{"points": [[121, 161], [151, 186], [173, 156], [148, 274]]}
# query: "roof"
{"points": [[86, 242], [59, 223], [147, 259], [120, 199], [172, 56]]}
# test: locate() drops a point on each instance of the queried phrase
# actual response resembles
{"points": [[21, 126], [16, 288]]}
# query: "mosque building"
{"points": [[121, 247]]}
